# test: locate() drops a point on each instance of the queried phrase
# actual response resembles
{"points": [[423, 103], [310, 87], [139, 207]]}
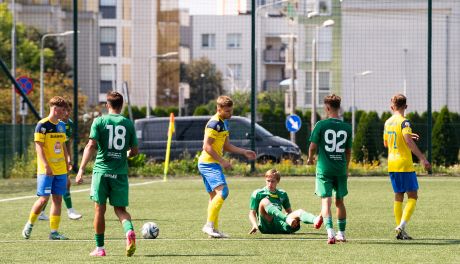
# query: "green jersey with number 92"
{"points": [[333, 137], [115, 135]]}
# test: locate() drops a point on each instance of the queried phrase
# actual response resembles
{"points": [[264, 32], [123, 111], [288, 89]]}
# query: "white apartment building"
{"points": [[390, 38]]}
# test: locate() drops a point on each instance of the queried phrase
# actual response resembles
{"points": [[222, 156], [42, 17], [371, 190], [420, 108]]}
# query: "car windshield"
{"points": [[262, 131]]}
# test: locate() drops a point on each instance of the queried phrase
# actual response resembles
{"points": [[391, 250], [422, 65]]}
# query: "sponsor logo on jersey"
{"points": [[57, 148]]}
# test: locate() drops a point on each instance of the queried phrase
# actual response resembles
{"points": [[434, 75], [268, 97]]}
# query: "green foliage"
{"points": [[137, 161], [201, 110], [24, 166], [368, 144], [160, 112], [445, 147]]}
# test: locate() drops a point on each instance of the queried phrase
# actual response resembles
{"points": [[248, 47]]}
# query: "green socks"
{"points": [[342, 223], [67, 200], [307, 218], [272, 210], [99, 240], [328, 222], [127, 225]]}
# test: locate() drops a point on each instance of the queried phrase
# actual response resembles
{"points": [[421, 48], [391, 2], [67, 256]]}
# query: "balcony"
{"points": [[272, 86], [275, 56]]}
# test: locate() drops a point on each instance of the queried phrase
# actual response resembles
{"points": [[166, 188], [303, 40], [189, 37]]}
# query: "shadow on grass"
{"points": [[421, 242]]}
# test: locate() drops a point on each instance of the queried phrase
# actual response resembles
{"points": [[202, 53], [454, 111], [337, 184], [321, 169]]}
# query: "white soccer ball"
{"points": [[150, 230]]}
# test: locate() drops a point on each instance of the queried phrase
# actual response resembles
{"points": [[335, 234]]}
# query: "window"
{"points": [[234, 41], [107, 77], [108, 9], [190, 130], [234, 71], [323, 45], [108, 41], [156, 131], [238, 129], [208, 41], [324, 7], [323, 80]]}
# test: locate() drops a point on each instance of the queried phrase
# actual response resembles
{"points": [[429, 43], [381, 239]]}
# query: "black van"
{"points": [[152, 134]]}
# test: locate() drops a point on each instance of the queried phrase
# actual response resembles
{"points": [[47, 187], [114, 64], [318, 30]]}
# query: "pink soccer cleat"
{"points": [[130, 243], [318, 222], [98, 253]]}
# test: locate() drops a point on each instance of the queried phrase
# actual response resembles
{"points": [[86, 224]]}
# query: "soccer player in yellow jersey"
{"points": [[52, 157], [210, 163], [398, 138]]}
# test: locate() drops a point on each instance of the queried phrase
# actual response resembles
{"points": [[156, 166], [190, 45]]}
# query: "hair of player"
{"points": [[69, 103], [273, 173], [58, 101], [115, 100], [224, 101], [333, 101], [399, 101]]}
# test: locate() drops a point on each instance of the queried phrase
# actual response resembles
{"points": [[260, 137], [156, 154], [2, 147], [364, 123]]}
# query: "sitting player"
{"points": [[266, 213]]}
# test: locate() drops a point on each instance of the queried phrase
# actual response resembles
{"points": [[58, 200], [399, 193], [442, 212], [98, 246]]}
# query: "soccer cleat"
{"points": [[27, 230], [130, 243], [318, 222], [331, 240], [210, 232], [73, 214], [57, 236], [98, 253], [401, 234], [222, 234], [43, 216], [340, 238]]}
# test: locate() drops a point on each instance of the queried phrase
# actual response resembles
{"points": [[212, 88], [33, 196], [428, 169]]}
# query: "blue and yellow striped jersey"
{"points": [[399, 154], [217, 129], [53, 137]]}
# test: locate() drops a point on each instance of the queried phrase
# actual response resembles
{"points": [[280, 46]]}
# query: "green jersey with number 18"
{"points": [[115, 135], [333, 137]]}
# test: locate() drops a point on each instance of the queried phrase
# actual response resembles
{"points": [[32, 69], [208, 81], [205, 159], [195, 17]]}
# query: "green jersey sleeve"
{"points": [[316, 133], [133, 135], [286, 203], [253, 202], [94, 133]]}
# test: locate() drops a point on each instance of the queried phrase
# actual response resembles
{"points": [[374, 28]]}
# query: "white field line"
{"points": [[74, 191], [203, 239]]}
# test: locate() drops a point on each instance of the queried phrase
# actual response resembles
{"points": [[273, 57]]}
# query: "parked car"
{"points": [[152, 134]]}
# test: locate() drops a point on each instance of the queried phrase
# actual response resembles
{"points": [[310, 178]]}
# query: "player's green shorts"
{"points": [[326, 185], [277, 226], [112, 186]]}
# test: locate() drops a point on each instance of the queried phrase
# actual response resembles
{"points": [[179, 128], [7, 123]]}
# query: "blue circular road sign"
{"points": [[293, 123]]}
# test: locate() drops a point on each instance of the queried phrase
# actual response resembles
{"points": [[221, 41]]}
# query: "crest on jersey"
{"points": [[405, 124], [43, 130], [218, 127], [60, 129]]}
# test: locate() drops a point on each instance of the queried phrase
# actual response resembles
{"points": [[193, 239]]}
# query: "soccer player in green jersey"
{"points": [[331, 138], [398, 138], [216, 141], [71, 213], [266, 207], [114, 138], [52, 167]]}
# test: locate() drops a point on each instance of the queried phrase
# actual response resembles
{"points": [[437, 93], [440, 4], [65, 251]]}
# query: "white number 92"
{"points": [[331, 137]]}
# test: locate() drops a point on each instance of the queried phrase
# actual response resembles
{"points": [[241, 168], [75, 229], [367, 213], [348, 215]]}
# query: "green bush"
{"points": [[201, 110], [137, 161], [24, 166], [368, 143], [445, 148]]}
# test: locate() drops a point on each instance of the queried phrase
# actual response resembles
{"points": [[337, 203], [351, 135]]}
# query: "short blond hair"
{"points": [[58, 101], [224, 101], [273, 173], [399, 101]]}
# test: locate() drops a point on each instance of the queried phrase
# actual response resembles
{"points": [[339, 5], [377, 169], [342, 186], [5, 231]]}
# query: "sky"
{"points": [[212, 7]]}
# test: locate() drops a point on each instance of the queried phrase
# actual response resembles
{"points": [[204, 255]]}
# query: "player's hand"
{"points": [[311, 161], [79, 178], [48, 170], [226, 165], [250, 155], [69, 167], [253, 230], [427, 165], [414, 136]]}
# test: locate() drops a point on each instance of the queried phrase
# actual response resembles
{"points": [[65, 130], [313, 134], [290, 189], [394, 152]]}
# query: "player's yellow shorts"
{"points": [[112, 186]]}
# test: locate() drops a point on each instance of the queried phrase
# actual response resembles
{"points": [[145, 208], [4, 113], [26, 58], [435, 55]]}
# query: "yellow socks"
{"points": [[214, 208], [33, 218], [409, 209], [397, 208], [54, 222]]}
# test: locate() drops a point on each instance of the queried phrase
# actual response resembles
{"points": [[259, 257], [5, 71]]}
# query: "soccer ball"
{"points": [[150, 230]]}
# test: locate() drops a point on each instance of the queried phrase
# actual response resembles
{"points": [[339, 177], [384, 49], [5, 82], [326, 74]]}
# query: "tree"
{"points": [[368, 145], [205, 83], [445, 150]]}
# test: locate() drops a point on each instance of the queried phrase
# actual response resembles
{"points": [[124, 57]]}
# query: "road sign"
{"points": [[26, 84], [293, 123], [23, 108]]}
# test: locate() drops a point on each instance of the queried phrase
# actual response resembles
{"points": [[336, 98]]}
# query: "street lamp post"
{"points": [[149, 93], [353, 121], [314, 51], [203, 90], [42, 66], [13, 63]]}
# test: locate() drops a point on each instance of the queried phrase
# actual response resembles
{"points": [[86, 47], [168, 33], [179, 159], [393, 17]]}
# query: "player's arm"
{"points": [[133, 151], [66, 157], [311, 153], [39, 147], [253, 220], [88, 153], [207, 146], [288, 210], [68, 145], [413, 147], [228, 147], [348, 157]]}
